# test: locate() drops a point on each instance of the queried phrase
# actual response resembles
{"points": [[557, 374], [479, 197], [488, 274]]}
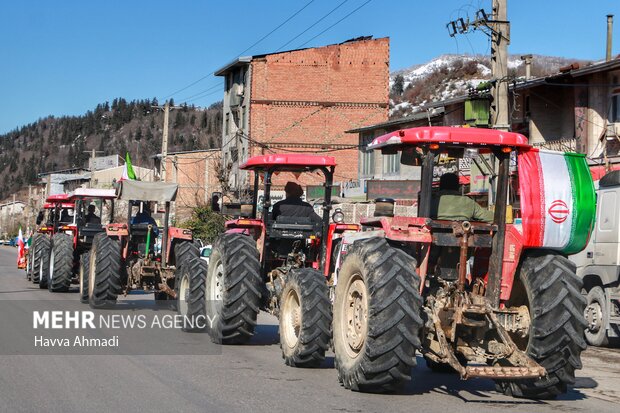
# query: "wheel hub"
{"points": [[291, 313], [594, 316], [357, 315]]}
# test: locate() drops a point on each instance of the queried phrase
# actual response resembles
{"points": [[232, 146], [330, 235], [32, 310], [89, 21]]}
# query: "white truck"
{"points": [[599, 265]]}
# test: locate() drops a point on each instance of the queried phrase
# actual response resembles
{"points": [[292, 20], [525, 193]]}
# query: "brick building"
{"points": [[195, 173], [303, 101]]}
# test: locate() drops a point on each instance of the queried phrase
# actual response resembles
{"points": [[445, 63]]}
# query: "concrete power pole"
{"points": [[164, 143], [500, 39]]}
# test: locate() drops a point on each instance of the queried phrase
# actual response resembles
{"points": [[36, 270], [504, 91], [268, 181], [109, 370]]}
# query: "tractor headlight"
{"points": [[338, 216]]}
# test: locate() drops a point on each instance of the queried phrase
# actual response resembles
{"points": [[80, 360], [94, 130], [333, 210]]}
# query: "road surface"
{"points": [[251, 378]]}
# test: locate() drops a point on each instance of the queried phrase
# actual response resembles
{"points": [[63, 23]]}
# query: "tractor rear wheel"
{"points": [[104, 275], [550, 288], [233, 289], [305, 318], [84, 266], [61, 263], [376, 317], [191, 303], [41, 262]]}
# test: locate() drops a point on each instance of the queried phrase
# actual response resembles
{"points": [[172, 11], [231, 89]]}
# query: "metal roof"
{"points": [[288, 162], [240, 61]]}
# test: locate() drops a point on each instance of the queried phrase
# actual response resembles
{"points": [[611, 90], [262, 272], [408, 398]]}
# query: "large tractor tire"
{"points": [[377, 317], [61, 263], [233, 289], [104, 275], [596, 333], [191, 303], [548, 285], [41, 262], [184, 251], [305, 318], [30, 262], [84, 266]]}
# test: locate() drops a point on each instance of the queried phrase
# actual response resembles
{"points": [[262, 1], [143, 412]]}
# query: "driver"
{"points": [[91, 217], [292, 205], [145, 217], [450, 205]]}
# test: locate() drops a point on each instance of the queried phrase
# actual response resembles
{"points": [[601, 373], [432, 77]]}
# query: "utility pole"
{"points": [[164, 139], [499, 28]]}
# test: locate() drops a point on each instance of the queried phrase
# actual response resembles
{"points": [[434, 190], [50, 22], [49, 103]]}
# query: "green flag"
{"points": [[130, 174]]}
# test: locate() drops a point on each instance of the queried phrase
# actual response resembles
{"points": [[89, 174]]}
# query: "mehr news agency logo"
{"points": [[88, 320]]}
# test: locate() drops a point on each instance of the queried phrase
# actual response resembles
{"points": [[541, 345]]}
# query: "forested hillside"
{"points": [[51, 144]]}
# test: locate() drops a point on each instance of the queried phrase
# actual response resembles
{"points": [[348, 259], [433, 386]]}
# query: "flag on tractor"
{"points": [[558, 201], [21, 255], [128, 172]]}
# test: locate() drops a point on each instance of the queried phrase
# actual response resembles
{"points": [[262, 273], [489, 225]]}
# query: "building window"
{"points": [[367, 156], [227, 124], [614, 109], [391, 164]]}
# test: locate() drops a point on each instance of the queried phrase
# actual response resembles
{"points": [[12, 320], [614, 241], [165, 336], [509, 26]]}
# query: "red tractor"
{"points": [[281, 266], [137, 254], [57, 213], [73, 239], [498, 300]]}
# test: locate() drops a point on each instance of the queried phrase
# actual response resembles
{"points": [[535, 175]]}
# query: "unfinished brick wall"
{"points": [[304, 101]]}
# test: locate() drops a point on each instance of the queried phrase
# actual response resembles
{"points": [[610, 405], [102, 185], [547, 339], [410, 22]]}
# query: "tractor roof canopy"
{"points": [[449, 137], [56, 198], [90, 193], [63, 205], [291, 162], [130, 190]]}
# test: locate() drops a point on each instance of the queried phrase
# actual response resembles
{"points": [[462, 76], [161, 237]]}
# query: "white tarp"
{"points": [[130, 190]]}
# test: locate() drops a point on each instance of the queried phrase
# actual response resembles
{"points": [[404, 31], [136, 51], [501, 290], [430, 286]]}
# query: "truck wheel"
{"points": [[41, 261], [596, 332], [551, 291], [233, 289], [104, 273], [61, 263], [305, 318], [84, 266], [376, 317], [191, 303]]}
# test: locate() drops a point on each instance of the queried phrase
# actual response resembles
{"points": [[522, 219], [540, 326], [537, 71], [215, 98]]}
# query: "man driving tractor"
{"points": [[293, 205], [449, 204]]}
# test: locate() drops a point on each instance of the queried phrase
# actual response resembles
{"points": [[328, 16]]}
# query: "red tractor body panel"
{"points": [[288, 162], [450, 135]]}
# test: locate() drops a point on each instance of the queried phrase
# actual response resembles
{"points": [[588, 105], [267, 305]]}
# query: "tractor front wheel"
{"points": [[305, 318], [233, 289], [376, 317], [548, 285], [84, 266], [61, 263], [191, 303], [41, 263], [104, 272]]}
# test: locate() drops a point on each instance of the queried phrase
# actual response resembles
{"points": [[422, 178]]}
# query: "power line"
{"points": [[312, 25], [254, 44], [338, 22]]}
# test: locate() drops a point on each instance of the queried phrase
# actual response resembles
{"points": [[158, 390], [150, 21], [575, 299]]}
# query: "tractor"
{"points": [[71, 243], [137, 255], [57, 213], [498, 300], [282, 266]]}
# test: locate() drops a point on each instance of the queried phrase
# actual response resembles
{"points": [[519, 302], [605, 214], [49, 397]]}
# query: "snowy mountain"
{"points": [[451, 75]]}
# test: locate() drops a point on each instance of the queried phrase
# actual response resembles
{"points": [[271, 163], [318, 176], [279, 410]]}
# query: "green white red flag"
{"points": [[21, 255], [128, 172], [558, 202]]}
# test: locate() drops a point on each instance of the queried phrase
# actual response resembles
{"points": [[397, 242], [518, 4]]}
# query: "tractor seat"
{"points": [[290, 227]]}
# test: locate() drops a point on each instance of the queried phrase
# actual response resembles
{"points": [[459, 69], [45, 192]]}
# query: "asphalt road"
{"points": [[250, 378]]}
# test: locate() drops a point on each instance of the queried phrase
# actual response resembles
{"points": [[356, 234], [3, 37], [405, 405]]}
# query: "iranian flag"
{"points": [[558, 202], [21, 256]]}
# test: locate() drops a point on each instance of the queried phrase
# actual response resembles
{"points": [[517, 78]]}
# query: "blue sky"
{"points": [[64, 57]]}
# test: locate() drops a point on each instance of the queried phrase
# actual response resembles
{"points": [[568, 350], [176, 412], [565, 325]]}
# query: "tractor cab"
{"points": [[93, 208], [58, 211]]}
